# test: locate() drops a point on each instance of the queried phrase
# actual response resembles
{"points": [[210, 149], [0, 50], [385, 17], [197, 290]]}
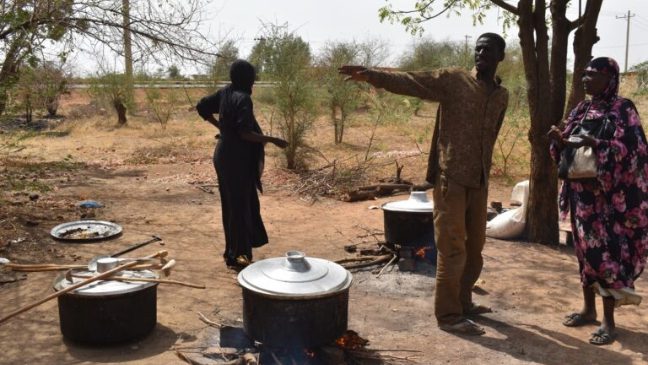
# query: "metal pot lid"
{"points": [[295, 276], [106, 287], [418, 202]]}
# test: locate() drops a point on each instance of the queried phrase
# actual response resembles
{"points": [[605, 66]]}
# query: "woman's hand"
{"points": [[555, 134], [580, 140], [213, 121], [279, 142]]}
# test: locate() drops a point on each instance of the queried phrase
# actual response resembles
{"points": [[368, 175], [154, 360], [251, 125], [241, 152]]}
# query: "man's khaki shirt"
{"points": [[469, 119]]}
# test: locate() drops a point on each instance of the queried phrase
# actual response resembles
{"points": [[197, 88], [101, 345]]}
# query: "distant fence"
{"points": [[175, 84]]}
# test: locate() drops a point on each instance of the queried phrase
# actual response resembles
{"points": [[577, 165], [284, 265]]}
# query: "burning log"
{"points": [[351, 340]]}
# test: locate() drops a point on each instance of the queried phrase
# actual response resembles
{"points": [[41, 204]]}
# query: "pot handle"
{"points": [[296, 261]]}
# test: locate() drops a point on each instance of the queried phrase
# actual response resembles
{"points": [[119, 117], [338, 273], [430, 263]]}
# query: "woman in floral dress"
{"points": [[609, 213]]}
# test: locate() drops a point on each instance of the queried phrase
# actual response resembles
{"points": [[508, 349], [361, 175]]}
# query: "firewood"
{"points": [[354, 196], [372, 191], [378, 260], [249, 359]]}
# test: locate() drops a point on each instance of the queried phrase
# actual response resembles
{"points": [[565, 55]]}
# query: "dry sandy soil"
{"points": [[149, 180]]}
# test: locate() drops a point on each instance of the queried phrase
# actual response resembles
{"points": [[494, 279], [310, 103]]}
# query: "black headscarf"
{"points": [[607, 66], [242, 75]]}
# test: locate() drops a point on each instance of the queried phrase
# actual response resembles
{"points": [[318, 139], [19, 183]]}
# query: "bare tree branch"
{"points": [[506, 6]]}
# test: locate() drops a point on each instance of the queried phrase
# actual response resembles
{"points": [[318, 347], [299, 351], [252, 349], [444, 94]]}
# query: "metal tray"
{"points": [[86, 231]]}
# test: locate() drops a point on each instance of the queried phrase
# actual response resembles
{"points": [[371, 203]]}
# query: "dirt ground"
{"points": [[161, 182]]}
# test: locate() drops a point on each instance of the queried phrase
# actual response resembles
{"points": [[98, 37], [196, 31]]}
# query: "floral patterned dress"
{"points": [[609, 214]]}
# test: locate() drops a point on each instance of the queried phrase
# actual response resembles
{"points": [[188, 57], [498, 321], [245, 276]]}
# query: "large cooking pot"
{"points": [[295, 301], [410, 222], [108, 311]]}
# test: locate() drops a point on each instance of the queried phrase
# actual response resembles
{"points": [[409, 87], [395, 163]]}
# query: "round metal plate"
{"points": [[86, 231]]}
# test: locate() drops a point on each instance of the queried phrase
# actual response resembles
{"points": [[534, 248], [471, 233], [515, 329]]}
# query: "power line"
{"points": [[633, 45]]}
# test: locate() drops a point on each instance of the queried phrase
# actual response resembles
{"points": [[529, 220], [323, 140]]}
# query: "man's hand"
{"points": [[355, 73], [422, 187]]}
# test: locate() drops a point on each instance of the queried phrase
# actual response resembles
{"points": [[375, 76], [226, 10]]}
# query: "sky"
{"points": [[318, 22], [322, 21]]}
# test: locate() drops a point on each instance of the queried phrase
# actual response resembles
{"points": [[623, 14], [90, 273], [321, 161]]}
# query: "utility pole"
{"points": [[627, 18]]}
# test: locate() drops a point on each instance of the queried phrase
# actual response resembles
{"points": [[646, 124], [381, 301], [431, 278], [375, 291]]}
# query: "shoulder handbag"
{"points": [[580, 163]]}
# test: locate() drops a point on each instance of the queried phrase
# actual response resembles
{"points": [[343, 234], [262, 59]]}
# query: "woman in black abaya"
{"points": [[238, 159]]}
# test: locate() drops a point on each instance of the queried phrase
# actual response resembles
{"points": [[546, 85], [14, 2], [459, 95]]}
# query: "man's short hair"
{"points": [[499, 41]]}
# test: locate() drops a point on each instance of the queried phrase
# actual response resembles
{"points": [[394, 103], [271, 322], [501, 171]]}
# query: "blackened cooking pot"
{"points": [[108, 311], [410, 222], [295, 301]]}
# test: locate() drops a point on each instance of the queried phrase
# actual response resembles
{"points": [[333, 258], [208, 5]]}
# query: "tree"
{"points": [[373, 52], [285, 58], [545, 61], [228, 53], [341, 97], [173, 73], [641, 70], [430, 54], [158, 29], [47, 82], [112, 88], [273, 47]]}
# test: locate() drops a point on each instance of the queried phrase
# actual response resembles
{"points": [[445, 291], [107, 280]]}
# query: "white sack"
{"points": [[520, 193], [507, 225]]}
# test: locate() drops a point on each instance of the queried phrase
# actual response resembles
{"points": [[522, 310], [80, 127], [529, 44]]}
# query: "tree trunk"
{"points": [[584, 39], [128, 50], [52, 107], [28, 111], [542, 214], [335, 124], [9, 71], [542, 210], [121, 112], [343, 118]]}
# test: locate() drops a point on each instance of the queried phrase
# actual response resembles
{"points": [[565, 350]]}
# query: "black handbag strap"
{"points": [[601, 129]]}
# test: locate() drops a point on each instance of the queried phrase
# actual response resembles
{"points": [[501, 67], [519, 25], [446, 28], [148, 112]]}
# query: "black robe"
{"points": [[239, 165]]}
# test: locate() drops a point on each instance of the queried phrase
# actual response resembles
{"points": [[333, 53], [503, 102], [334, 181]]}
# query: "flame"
{"points": [[421, 251], [351, 340]]}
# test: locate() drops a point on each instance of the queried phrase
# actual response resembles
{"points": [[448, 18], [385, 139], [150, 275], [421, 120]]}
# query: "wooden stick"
{"points": [[54, 267], [73, 287], [208, 321], [370, 263], [387, 265], [148, 280], [42, 267], [355, 259]]}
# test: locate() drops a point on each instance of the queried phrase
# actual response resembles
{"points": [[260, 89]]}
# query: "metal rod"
{"points": [[136, 246]]}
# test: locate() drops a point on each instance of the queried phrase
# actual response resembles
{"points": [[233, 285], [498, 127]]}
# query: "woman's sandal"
{"points": [[243, 261], [463, 327], [601, 337], [577, 320]]}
